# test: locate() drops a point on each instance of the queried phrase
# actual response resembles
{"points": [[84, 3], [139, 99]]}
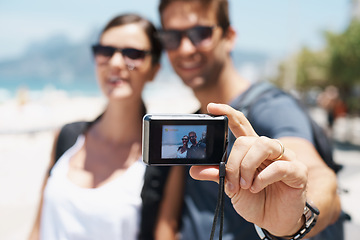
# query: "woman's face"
{"points": [[124, 74], [185, 140]]}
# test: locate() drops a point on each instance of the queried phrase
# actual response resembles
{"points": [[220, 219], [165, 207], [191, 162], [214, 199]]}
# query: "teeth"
{"points": [[189, 64], [114, 79]]}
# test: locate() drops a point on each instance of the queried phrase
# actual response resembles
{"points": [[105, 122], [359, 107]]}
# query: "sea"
{"points": [[11, 87], [165, 94]]}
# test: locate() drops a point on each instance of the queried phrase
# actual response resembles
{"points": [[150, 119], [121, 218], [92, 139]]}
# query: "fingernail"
{"points": [[242, 182], [229, 187]]}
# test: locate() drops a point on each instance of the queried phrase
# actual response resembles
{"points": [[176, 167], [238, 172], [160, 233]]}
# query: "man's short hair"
{"points": [[194, 133], [220, 6]]}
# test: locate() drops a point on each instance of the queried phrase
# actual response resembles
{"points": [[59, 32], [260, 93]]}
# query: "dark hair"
{"points": [[194, 133], [220, 6], [148, 27]]}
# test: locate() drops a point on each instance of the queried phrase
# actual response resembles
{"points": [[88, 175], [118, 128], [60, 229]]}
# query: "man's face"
{"points": [[198, 66], [192, 138]]}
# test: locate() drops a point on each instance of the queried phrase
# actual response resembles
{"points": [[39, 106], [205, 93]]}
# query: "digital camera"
{"points": [[184, 139]]}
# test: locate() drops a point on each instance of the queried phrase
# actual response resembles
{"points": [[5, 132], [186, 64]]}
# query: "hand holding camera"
{"points": [[263, 179]]}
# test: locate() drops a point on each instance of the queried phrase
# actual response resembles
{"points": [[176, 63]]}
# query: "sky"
{"points": [[172, 134], [273, 27]]}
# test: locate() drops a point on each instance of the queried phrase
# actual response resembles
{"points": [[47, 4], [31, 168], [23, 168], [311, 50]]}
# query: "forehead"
{"points": [[128, 35], [185, 14]]}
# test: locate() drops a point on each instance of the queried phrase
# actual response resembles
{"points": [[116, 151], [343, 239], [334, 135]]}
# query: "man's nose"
{"points": [[186, 46]]}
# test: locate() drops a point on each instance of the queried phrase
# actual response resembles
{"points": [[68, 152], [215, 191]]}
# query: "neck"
{"points": [[226, 88], [121, 123]]}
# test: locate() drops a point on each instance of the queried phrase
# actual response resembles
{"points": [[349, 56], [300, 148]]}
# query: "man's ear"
{"points": [[230, 37], [155, 69]]}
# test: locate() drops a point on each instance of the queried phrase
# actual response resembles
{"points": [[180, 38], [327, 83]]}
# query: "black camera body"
{"points": [[184, 139]]}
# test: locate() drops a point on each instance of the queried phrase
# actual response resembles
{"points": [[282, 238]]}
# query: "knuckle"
{"points": [[263, 140], [280, 168], [241, 141], [240, 114], [245, 167], [231, 169]]}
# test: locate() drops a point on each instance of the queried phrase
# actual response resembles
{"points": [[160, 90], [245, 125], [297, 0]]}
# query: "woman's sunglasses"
{"points": [[133, 57], [185, 139], [198, 35]]}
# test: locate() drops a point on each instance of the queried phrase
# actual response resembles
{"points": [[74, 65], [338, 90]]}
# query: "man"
{"points": [[268, 179], [197, 149]]}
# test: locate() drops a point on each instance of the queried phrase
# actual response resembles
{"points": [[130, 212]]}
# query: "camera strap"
{"points": [[220, 202]]}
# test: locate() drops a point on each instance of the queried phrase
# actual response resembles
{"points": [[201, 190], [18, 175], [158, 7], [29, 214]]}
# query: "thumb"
{"points": [[205, 173]]}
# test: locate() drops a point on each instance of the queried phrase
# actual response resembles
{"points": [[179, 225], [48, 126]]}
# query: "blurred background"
{"points": [[309, 48]]}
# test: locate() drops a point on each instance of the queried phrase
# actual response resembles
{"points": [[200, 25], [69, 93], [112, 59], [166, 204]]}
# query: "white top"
{"points": [[181, 155], [111, 211]]}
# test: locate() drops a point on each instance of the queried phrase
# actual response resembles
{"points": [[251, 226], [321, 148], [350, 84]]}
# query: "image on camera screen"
{"points": [[183, 141]]}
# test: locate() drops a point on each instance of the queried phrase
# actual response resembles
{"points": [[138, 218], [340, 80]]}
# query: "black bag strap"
{"points": [[151, 194], [67, 137], [69, 133]]}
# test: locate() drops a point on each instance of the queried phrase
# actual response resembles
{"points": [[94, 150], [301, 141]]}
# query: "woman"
{"points": [[182, 150], [93, 191]]}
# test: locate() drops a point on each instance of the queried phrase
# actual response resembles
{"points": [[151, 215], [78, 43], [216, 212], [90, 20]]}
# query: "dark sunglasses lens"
{"points": [[185, 139], [103, 51], [133, 53], [200, 33], [170, 39]]}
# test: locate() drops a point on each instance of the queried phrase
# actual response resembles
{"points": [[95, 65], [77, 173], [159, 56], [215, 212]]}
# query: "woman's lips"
{"points": [[116, 80]]}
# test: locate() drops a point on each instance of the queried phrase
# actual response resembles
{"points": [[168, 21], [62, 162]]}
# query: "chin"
{"points": [[118, 94], [195, 82]]}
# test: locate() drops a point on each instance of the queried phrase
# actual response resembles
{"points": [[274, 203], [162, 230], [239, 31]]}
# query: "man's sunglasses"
{"points": [[198, 35], [131, 56]]}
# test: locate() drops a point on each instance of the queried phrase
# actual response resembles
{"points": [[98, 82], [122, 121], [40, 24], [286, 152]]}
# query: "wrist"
{"points": [[310, 216], [300, 225]]}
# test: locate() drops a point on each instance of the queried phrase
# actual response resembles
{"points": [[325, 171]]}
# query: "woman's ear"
{"points": [[154, 70]]}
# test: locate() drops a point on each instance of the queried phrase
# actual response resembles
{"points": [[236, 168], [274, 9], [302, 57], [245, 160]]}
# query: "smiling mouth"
{"points": [[116, 80], [189, 65], [194, 61]]}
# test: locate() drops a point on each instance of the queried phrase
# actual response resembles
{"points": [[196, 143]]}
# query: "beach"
{"points": [[169, 151], [26, 135]]}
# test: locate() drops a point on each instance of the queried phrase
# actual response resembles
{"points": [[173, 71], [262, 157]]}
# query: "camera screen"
{"points": [[192, 139], [183, 141]]}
